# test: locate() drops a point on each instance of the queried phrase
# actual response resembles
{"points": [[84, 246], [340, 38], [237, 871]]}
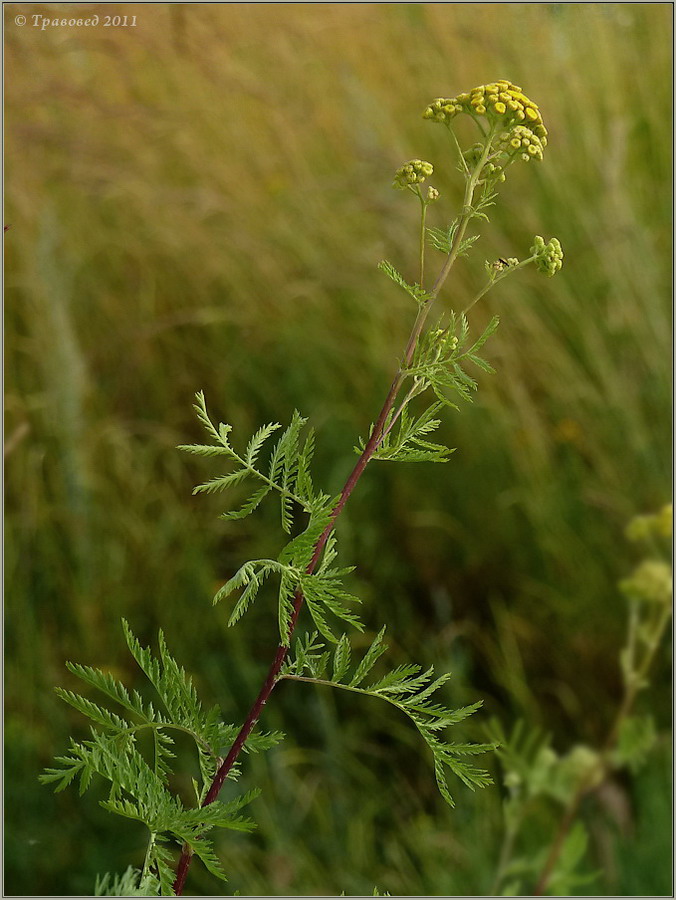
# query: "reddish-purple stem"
{"points": [[280, 655], [370, 448]]}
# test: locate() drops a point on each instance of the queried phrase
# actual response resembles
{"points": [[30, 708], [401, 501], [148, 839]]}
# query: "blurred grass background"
{"points": [[200, 202]]}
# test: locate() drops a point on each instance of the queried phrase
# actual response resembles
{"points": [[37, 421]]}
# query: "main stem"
{"points": [[376, 436]]}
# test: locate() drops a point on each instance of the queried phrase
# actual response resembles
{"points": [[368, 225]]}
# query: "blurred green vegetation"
{"points": [[200, 202]]}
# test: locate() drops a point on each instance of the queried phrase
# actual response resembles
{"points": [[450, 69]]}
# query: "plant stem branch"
{"points": [[372, 445], [511, 832], [423, 214], [494, 281], [149, 850], [402, 406]]}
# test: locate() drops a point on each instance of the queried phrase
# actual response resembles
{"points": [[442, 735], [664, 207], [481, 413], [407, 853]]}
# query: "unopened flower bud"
{"points": [[549, 257], [413, 172]]}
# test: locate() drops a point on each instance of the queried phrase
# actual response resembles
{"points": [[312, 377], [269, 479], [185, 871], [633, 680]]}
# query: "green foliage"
{"points": [[140, 789], [442, 239], [636, 739], [436, 364], [565, 879], [409, 689], [131, 883], [413, 290], [322, 589], [408, 443], [288, 469], [535, 774], [438, 358], [534, 770]]}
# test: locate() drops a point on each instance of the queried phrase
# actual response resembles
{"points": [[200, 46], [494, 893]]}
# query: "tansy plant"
{"points": [[433, 373]]}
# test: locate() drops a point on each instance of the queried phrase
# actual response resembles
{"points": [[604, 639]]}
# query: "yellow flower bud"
{"points": [[413, 172]]}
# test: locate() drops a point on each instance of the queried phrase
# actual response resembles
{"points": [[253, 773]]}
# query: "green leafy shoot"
{"points": [[485, 201], [519, 750], [413, 290], [139, 787], [438, 358], [409, 443], [442, 239], [409, 689], [287, 471], [131, 883], [323, 590]]}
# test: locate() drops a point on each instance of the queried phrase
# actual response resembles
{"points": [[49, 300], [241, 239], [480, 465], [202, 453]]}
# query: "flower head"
{"points": [[548, 257], [413, 172], [520, 141], [500, 103], [500, 100]]}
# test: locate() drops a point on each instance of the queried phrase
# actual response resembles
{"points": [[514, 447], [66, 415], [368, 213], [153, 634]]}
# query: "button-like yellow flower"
{"points": [[413, 172], [500, 101]]}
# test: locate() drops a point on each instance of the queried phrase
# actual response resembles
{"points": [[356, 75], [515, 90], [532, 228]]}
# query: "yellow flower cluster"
{"points": [[521, 140], [413, 172], [549, 257], [501, 101]]}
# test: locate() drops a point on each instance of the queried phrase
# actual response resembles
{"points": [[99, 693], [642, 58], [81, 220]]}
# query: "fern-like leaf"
{"points": [[413, 290], [409, 688]]}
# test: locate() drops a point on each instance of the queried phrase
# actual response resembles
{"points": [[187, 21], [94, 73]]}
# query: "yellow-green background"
{"points": [[200, 202]]}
